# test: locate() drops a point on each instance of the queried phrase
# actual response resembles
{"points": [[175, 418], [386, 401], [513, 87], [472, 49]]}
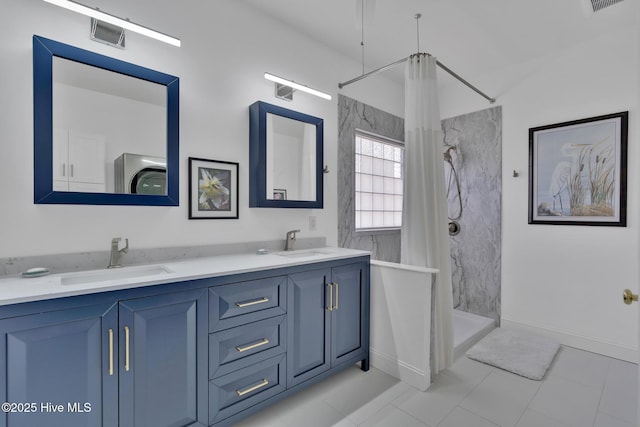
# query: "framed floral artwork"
{"points": [[578, 172], [213, 189]]}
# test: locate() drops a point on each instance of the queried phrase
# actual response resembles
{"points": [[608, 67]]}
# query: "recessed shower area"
{"points": [[472, 155], [472, 152], [472, 148]]}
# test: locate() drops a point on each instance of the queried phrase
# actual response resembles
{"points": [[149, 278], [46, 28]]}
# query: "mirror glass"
{"points": [[286, 149], [97, 116], [106, 131], [291, 149]]}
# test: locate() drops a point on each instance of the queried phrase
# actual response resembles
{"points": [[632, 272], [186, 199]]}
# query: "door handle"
{"points": [[628, 297], [110, 352], [126, 348], [330, 285]]}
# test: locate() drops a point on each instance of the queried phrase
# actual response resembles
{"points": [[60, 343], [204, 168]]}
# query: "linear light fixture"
{"points": [[297, 86], [111, 19]]}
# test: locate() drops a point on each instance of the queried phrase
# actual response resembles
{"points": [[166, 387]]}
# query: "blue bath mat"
{"points": [[520, 352]]}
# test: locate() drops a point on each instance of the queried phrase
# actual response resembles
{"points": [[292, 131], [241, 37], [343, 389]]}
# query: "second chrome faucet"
{"points": [[290, 240]]}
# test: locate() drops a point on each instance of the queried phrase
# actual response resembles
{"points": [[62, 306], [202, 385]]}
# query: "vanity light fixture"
{"points": [[114, 20], [296, 86]]}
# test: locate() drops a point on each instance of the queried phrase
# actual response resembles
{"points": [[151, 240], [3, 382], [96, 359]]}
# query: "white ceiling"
{"points": [[472, 37]]}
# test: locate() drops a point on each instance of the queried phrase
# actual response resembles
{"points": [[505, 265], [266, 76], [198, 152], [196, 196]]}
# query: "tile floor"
{"points": [[581, 389]]}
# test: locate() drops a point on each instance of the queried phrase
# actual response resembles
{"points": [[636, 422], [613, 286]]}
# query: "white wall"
{"points": [[226, 48], [566, 281]]}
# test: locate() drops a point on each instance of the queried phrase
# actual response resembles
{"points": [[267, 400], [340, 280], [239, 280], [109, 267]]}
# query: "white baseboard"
{"points": [[415, 377], [584, 343]]}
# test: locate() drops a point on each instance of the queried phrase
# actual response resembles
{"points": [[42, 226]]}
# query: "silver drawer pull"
{"points": [[260, 343], [263, 383], [254, 302]]}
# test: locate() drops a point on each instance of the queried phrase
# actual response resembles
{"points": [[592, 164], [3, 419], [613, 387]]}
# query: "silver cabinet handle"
{"points": [[337, 294], [71, 170], [110, 351], [254, 302], [64, 169], [248, 347], [263, 383], [330, 285], [126, 348]]}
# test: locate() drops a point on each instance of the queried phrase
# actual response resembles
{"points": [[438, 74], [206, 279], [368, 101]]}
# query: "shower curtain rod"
{"points": [[400, 61]]}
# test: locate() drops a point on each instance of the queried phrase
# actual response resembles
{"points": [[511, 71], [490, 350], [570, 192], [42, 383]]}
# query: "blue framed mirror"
{"points": [[106, 132], [286, 158]]}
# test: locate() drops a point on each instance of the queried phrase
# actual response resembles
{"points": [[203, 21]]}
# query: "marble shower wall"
{"points": [[352, 115], [476, 250]]}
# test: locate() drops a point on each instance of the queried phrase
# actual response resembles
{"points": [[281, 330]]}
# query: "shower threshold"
{"points": [[468, 329]]}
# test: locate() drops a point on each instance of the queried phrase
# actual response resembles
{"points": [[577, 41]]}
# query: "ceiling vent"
{"points": [[106, 33], [601, 4]]}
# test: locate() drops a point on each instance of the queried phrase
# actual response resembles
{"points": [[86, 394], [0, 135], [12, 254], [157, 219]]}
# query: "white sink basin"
{"points": [[302, 253], [124, 273]]}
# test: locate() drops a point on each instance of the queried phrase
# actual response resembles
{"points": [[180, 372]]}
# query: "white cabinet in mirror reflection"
{"points": [[78, 161], [291, 162]]}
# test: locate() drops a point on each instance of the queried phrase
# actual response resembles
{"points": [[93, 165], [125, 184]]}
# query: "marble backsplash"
{"points": [[64, 263], [354, 115], [476, 250]]}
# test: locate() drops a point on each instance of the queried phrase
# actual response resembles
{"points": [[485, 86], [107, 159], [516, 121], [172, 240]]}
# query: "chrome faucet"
{"points": [[116, 253], [291, 238]]}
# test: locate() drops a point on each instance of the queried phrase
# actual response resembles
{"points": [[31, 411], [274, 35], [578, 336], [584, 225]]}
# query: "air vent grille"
{"points": [[106, 33], [601, 4]]}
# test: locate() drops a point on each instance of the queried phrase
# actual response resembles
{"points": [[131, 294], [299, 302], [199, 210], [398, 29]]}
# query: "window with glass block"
{"points": [[378, 182]]}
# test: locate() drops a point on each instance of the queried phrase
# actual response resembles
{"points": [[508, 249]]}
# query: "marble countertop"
{"points": [[17, 289]]}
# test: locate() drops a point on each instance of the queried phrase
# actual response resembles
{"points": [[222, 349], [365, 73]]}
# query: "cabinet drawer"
{"points": [[245, 345], [245, 302], [242, 389]]}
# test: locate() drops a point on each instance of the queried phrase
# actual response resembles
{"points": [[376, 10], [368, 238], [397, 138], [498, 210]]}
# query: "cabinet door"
{"points": [[86, 158], [57, 363], [163, 344], [348, 337], [60, 159], [308, 351]]}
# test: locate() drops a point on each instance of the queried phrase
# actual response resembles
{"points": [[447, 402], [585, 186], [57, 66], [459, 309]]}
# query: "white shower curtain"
{"points": [[425, 239]]}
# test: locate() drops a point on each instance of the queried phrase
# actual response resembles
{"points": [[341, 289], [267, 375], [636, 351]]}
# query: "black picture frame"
{"points": [[578, 172], [213, 189]]}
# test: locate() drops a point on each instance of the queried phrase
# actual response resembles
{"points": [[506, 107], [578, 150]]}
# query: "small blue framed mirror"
{"points": [[106, 132], [286, 158]]}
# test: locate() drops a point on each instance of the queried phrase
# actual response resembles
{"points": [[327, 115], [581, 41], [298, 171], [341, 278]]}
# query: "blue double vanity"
{"points": [[202, 342]]}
